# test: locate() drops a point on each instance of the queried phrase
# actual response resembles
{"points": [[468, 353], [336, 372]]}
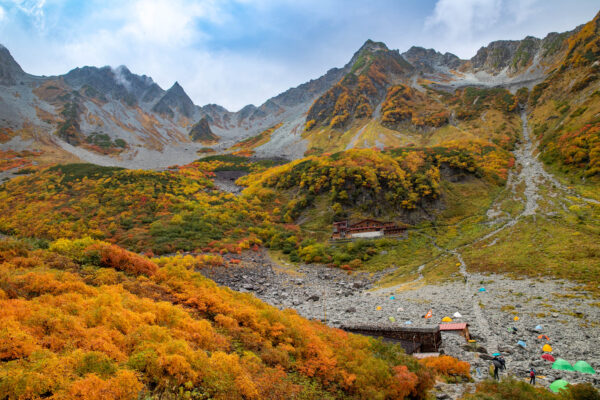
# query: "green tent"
{"points": [[562, 365], [558, 384], [583, 367]]}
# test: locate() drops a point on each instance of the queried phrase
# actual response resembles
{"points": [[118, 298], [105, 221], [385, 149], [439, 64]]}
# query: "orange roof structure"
{"points": [[453, 327]]}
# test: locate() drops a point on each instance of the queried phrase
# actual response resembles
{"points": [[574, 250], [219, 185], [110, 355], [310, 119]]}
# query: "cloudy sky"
{"points": [[236, 52]]}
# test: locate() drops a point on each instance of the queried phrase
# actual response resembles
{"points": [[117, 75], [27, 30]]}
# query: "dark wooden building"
{"points": [[412, 340], [367, 228]]}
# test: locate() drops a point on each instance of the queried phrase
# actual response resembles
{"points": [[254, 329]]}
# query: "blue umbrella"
{"points": [[496, 354], [522, 343]]}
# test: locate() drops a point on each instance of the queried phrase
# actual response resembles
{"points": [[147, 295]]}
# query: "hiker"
{"points": [[532, 376], [502, 362], [497, 366]]}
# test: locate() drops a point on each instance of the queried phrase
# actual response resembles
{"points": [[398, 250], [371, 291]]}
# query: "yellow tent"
{"points": [[378, 308], [516, 318], [458, 264], [547, 348], [446, 319]]}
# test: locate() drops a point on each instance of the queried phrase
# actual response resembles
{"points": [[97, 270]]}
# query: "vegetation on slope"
{"points": [[565, 107], [86, 319], [357, 94], [249, 144]]}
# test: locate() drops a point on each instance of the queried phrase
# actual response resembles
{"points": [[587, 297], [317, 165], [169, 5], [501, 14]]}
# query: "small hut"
{"points": [[460, 328]]}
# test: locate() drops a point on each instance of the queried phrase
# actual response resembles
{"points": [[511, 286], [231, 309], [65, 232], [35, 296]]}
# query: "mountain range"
{"points": [[111, 116]]}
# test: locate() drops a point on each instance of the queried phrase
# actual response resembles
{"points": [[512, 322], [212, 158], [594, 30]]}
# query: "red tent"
{"points": [[548, 357]]}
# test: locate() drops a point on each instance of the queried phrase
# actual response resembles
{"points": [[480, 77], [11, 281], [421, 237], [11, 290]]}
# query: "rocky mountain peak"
{"points": [[10, 70], [429, 59], [175, 99]]}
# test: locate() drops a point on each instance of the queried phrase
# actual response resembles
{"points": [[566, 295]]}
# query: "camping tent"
{"points": [[548, 357], [446, 319], [392, 319], [562, 365], [547, 348], [482, 289], [538, 328], [408, 322], [558, 385], [543, 337], [516, 318], [378, 308], [522, 344], [583, 367], [457, 315], [392, 298]]}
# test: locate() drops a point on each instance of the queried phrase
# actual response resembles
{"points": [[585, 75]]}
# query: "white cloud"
{"points": [[33, 8], [1, 13], [164, 22], [464, 18]]}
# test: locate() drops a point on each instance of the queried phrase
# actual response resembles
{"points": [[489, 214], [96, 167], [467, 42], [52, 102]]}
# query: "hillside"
{"points": [[88, 320]]}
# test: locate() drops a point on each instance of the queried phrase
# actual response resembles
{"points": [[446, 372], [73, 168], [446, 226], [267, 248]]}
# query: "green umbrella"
{"points": [[583, 367], [562, 365], [558, 384]]}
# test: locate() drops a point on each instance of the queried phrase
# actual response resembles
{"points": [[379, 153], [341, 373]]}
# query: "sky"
{"points": [[238, 52]]}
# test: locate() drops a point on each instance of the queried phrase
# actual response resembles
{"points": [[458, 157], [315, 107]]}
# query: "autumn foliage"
{"points": [[448, 367], [73, 328]]}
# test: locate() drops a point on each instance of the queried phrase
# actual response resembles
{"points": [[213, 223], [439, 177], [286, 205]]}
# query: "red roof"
{"points": [[453, 327]]}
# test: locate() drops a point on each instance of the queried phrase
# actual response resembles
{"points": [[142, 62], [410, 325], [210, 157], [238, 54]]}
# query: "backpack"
{"points": [[532, 372]]}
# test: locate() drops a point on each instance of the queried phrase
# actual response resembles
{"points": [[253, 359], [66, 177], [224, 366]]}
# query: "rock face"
{"points": [[175, 99], [10, 71], [429, 60], [201, 132]]}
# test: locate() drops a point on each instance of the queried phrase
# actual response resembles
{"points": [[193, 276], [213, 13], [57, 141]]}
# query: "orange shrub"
{"points": [[112, 256], [448, 366]]}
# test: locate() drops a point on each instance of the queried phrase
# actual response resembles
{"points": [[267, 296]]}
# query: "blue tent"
{"points": [[392, 298], [408, 322], [522, 344], [538, 328], [482, 289]]}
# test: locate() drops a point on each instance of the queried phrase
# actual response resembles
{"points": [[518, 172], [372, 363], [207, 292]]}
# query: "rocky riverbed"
{"points": [[568, 317]]}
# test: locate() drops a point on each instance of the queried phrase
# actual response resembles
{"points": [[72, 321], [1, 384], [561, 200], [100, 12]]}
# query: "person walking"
{"points": [[532, 376], [497, 365]]}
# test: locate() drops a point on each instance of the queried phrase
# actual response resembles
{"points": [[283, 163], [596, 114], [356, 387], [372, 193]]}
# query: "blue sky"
{"points": [[236, 52]]}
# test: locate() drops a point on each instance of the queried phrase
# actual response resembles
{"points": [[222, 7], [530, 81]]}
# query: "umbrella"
{"points": [[583, 367], [522, 344], [548, 357], [562, 365], [558, 385], [547, 348], [496, 354]]}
